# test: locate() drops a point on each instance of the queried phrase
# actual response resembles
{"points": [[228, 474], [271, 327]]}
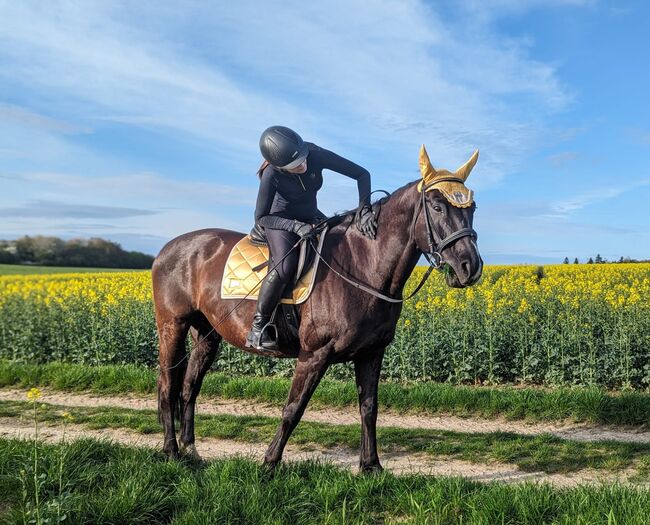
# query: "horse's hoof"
{"points": [[170, 449], [268, 470], [371, 469], [190, 452], [172, 455]]}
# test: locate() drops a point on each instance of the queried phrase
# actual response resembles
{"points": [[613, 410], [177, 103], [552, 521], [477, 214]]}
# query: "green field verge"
{"points": [[97, 482], [533, 404], [530, 453], [28, 269]]}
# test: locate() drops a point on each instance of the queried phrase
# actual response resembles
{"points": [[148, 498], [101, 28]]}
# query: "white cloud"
{"points": [[134, 188], [150, 206], [24, 117], [372, 87], [559, 160], [567, 206], [393, 75]]}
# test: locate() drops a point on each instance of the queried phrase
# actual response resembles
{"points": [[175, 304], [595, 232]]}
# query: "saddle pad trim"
{"points": [[307, 287]]}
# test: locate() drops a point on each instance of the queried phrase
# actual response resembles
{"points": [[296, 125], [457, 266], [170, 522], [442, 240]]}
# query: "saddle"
{"points": [[248, 263]]}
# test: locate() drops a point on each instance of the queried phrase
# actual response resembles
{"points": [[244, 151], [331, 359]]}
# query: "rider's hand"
{"points": [[366, 221], [303, 230]]}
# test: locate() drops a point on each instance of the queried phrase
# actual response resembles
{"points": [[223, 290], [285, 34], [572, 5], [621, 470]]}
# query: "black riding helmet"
{"points": [[283, 147]]}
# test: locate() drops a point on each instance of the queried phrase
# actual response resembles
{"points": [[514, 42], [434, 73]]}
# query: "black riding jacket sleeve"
{"points": [[284, 197]]}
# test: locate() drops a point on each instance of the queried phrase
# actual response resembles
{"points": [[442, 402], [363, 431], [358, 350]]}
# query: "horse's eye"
{"points": [[437, 208]]}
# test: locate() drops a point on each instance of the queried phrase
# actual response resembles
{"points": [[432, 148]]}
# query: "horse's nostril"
{"points": [[466, 268]]}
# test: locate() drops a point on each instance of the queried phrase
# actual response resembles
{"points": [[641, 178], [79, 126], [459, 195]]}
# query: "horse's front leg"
{"points": [[309, 370], [366, 371]]}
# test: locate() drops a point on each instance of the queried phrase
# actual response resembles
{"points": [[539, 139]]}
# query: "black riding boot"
{"points": [[268, 298]]}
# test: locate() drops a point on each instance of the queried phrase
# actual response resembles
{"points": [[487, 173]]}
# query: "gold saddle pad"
{"points": [[239, 278]]}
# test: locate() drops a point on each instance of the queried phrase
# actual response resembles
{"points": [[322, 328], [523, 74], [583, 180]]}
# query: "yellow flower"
{"points": [[33, 394]]}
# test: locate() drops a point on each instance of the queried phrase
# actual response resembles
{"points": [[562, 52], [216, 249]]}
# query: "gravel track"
{"points": [[212, 406], [397, 463]]}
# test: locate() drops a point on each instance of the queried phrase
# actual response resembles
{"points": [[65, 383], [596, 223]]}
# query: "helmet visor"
{"points": [[300, 158]]}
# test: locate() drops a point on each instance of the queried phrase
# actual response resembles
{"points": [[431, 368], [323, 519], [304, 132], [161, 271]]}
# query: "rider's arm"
{"points": [[331, 161]]}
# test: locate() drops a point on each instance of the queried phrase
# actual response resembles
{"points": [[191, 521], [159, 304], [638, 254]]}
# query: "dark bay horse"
{"points": [[338, 322]]}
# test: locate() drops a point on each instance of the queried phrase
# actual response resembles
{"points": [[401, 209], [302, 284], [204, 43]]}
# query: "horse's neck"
{"points": [[398, 249], [388, 261]]}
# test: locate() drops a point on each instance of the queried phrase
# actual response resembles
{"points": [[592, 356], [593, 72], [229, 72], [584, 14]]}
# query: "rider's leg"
{"points": [[280, 243]]}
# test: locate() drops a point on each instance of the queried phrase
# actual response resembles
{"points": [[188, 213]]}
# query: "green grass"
{"points": [[531, 453], [533, 404], [25, 269], [97, 482]]}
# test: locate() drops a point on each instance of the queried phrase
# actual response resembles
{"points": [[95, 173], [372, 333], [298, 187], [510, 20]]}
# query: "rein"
{"points": [[433, 256]]}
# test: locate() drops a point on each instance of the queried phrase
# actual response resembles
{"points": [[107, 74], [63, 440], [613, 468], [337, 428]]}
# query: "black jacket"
{"points": [[283, 195]]}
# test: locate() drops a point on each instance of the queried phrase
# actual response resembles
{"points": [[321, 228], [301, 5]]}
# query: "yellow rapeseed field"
{"points": [[561, 324]]}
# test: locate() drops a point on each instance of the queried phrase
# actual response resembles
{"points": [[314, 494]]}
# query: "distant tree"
{"points": [[25, 249], [590, 261], [621, 259], [599, 259], [566, 260], [576, 261], [6, 257], [47, 250], [52, 251]]}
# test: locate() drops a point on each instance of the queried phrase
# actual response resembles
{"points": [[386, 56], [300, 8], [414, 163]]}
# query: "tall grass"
{"points": [[105, 483]]}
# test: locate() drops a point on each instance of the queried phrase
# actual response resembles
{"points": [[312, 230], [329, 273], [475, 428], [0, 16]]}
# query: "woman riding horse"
{"points": [[290, 177], [351, 314]]}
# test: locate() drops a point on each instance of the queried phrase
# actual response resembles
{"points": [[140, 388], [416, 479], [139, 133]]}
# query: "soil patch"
{"points": [[397, 462], [211, 406]]}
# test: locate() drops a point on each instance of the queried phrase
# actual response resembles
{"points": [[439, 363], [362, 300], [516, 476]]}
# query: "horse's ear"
{"points": [[426, 169], [464, 171]]}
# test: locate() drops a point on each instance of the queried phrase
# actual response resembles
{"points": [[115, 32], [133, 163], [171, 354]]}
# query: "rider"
{"points": [[290, 176]]}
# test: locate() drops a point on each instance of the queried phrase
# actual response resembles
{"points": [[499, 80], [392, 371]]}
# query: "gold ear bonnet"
{"points": [[451, 185]]}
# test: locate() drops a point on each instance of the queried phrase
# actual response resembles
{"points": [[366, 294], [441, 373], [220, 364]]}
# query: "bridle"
{"points": [[433, 255]]}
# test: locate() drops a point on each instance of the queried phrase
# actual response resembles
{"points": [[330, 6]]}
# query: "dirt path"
{"points": [[575, 432], [397, 463]]}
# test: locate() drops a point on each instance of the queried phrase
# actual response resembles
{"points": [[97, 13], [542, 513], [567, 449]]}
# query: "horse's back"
{"points": [[180, 269]]}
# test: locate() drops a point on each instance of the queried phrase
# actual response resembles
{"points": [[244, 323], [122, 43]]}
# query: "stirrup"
{"points": [[254, 339]]}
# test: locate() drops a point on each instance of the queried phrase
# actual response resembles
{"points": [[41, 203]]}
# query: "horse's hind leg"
{"points": [[205, 350], [310, 368], [171, 335], [366, 371]]}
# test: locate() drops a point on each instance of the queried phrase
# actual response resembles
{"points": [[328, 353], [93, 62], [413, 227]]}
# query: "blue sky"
{"points": [[138, 121]]}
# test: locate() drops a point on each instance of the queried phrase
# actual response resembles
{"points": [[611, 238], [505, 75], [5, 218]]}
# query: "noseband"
{"points": [[434, 253]]}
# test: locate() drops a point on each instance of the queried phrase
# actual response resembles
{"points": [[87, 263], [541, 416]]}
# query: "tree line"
{"points": [[52, 251], [601, 260]]}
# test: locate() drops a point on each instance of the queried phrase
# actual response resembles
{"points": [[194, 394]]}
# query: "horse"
{"points": [[339, 322]]}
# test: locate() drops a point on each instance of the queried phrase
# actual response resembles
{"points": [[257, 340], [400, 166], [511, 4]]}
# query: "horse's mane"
{"points": [[343, 216]]}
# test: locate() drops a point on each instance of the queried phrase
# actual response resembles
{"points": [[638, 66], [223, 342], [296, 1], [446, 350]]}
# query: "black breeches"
{"points": [[280, 242]]}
